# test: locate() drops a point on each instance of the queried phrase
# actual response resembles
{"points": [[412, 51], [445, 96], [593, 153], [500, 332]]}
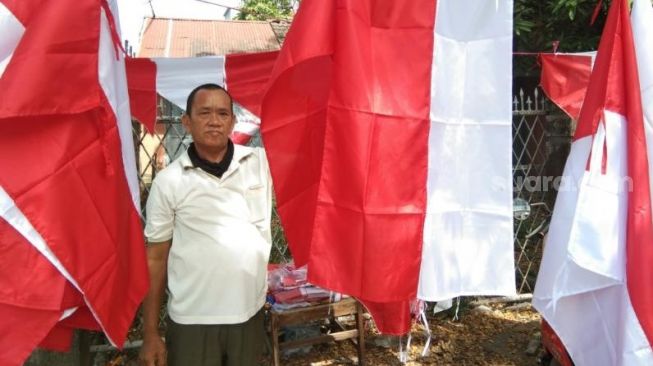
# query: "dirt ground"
{"points": [[490, 334], [497, 334]]}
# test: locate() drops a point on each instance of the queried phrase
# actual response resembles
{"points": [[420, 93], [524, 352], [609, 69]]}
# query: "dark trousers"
{"points": [[216, 345]]}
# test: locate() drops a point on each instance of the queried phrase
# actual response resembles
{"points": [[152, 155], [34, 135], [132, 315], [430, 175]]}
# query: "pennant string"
{"points": [[427, 333], [410, 337], [455, 317], [604, 158], [403, 357]]}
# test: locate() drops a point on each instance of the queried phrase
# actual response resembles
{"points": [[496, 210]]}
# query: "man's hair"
{"points": [[210, 86]]}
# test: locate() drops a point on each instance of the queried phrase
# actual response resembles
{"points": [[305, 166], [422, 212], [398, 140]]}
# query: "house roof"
{"points": [[168, 37]]}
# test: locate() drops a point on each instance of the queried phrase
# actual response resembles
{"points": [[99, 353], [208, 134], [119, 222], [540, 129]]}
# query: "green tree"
{"points": [[266, 10], [538, 25]]}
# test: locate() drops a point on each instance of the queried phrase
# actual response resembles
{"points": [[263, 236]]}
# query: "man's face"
{"points": [[211, 120]]}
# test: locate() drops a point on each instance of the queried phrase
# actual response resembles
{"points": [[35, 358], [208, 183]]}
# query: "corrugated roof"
{"points": [[280, 28], [166, 37]]}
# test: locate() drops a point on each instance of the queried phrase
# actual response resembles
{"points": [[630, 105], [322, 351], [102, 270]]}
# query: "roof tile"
{"points": [[167, 37]]}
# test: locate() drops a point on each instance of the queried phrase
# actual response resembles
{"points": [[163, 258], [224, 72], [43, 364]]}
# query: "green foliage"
{"points": [[539, 24], [265, 10]]}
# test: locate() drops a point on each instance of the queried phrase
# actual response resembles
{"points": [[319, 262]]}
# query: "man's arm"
{"points": [[153, 352], [265, 176]]}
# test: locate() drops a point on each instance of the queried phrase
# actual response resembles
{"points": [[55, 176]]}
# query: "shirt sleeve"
{"points": [[265, 229], [159, 213]]}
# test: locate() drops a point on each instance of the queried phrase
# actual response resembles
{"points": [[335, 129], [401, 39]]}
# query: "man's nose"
{"points": [[214, 119]]}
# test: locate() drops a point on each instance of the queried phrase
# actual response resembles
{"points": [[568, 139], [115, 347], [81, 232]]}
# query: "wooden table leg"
{"points": [[84, 348], [274, 330], [361, 334]]}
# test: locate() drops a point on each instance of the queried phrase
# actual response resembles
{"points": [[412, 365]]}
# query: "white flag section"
{"points": [[589, 287], [113, 80], [12, 33], [468, 233], [581, 286], [177, 77]]}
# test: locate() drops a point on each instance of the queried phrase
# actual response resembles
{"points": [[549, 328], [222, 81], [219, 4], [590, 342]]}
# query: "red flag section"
{"points": [[564, 79], [31, 292], [141, 81], [63, 170], [246, 75], [349, 92]]}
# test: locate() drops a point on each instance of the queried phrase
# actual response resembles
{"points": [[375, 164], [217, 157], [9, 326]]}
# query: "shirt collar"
{"points": [[240, 153]]}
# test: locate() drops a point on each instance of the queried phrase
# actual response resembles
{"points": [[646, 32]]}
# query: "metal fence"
{"points": [[532, 186]]}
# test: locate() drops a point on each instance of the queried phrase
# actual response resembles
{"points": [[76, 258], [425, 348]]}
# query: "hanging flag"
{"points": [[564, 79], [71, 235], [141, 86], [244, 75], [388, 129], [594, 285], [642, 19]]}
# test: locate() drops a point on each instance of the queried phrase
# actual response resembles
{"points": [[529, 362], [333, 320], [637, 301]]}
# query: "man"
{"points": [[208, 233]]}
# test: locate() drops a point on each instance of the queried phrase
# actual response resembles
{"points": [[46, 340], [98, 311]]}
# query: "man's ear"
{"points": [[185, 121], [234, 120]]}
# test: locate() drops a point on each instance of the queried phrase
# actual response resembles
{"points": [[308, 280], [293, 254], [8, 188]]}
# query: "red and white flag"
{"points": [[244, 75], [71, 244], [594, 285], [388, 129]]}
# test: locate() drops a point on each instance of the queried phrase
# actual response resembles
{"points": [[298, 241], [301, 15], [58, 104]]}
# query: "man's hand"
{"points": [[153, 352]]}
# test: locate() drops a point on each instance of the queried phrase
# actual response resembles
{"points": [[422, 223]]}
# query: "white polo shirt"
{"points": [[220, 231]]}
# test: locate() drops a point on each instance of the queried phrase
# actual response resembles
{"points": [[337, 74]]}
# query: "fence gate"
{"points": [[533, 189]]}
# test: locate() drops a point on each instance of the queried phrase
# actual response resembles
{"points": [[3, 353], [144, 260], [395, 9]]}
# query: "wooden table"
{"points": [[330, 311]]}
